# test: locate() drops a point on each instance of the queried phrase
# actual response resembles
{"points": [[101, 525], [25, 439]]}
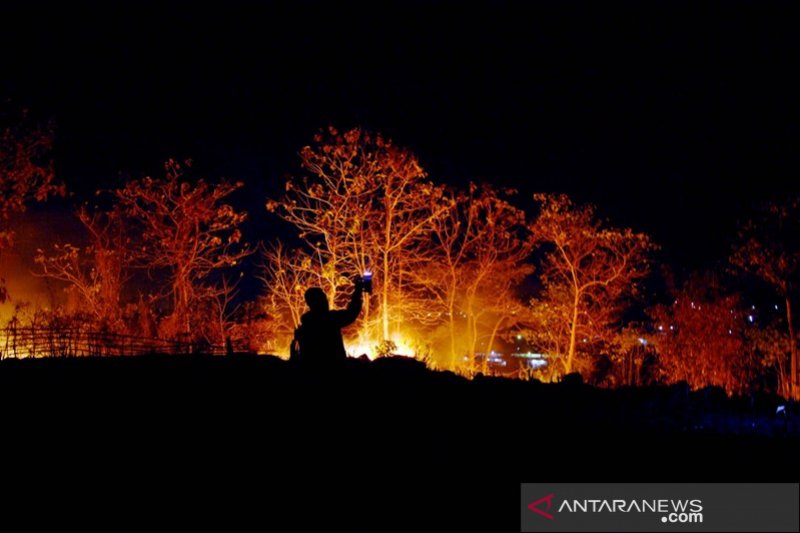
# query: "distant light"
{"points": [[780, 409], [519, 337], [752, 307], [730, 332], [776, 307], [529, 355], [642, 341], [660, 328], [672, 328], [750, 318]]}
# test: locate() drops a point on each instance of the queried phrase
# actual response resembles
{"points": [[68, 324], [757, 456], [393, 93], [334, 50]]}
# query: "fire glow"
{"points": [[157, 266]]}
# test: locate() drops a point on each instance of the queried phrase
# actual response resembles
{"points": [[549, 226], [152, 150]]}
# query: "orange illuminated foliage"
{"points": [[700, 337], [26, 170], [481, 244], [186, 232], [770, 357], [287, 274], [222, 311], [365, 203], [97, 273], [769, 249], [588, 273]]}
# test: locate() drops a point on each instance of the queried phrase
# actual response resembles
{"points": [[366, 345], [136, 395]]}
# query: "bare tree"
{"points": [[187, 232], [587, 273], [769, 248], [770, 353], [481, 244], [286, 275], [97, 272], [365, 204], [222, 297], [26, 170]]}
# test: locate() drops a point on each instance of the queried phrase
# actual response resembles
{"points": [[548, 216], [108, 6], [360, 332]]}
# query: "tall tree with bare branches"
{"points": [[587, 273], [188, 233], [96, 273], [769, 249], [26, 170], [286, 275], [481, 244], [365, 203]]}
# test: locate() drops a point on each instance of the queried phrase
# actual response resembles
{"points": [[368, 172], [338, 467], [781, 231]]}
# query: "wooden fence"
{"points": [[18, 341]]}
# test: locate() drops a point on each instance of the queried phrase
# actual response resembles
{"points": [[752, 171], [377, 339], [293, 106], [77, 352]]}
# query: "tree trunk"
{"points": [[364, 333], [385, 296], [472, 328], [451, 322], [792, 351], [490, 343], [181, 310], [385, 283], [573, 330], [471, 331]]}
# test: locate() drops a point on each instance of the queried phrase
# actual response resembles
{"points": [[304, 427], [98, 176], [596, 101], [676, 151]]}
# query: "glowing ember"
{"points": [[397, 347]]}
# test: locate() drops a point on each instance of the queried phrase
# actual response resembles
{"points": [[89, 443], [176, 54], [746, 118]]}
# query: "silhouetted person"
{"points": [[318, 339]]}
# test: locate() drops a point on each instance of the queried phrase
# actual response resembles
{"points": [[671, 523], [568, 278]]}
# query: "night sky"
{"points": [[674, 119]]}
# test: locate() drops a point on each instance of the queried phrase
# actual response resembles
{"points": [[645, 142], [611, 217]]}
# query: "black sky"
{"points": [[672, 118]]}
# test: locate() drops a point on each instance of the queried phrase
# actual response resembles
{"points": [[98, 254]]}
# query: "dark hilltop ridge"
{"points": [[372, 446]]}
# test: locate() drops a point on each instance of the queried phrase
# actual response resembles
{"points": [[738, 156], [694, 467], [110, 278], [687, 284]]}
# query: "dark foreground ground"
{"points": [[253, 442]]}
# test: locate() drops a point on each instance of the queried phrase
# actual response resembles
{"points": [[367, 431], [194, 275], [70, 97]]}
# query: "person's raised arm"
{"points": [[349, 315]]}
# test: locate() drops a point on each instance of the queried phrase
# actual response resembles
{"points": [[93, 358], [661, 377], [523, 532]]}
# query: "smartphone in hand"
{"points": [[366, 281]]}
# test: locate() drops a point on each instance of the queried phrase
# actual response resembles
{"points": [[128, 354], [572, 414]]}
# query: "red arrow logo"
{"points": [[533, 506]]}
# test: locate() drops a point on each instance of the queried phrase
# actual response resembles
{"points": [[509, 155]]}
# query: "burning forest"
{"points": [[471, 279], [391, 267]]}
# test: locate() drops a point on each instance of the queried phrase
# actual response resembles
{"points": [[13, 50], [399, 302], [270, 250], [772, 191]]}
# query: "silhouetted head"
{"points": [[316, 299]]}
